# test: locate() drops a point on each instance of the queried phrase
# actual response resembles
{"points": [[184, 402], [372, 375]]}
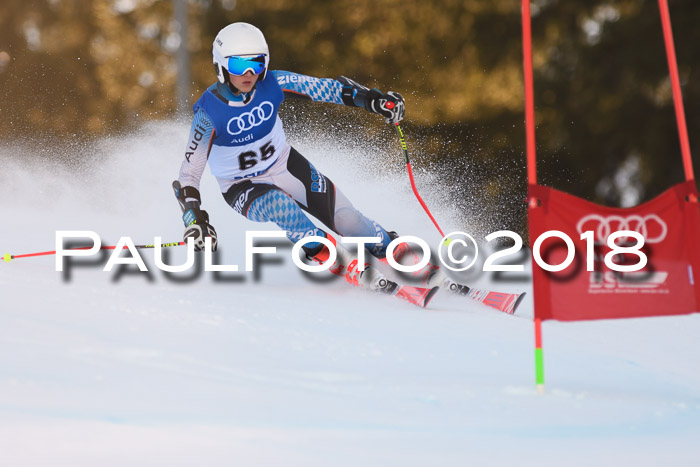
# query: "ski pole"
{"points": [[410, 175], [8, 257]]}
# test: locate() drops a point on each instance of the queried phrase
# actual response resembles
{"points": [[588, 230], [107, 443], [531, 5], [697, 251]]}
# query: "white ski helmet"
{"points": [[238, 39]]}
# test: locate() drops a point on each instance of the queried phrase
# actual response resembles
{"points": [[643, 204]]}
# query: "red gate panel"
{"points": [[668, 285]]}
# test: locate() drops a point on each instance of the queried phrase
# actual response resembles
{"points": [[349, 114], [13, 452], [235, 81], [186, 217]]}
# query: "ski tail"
{"points": [[420, 296], [505, 302]]}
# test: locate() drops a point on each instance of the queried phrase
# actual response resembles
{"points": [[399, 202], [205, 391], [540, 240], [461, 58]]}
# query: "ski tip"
{"points": [[7, 257], [430, 295], [518, 300]]}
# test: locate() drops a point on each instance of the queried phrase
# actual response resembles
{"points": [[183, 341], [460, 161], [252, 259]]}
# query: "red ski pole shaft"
{"points": [[8, 257], [413, 182]]}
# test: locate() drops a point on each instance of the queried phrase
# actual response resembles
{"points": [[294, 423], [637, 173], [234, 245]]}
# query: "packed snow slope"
{"points": [[148, 369]]}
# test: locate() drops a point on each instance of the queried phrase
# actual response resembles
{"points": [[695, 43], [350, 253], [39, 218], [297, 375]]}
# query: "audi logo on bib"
{"points": [[249, 120], [651, 227]]}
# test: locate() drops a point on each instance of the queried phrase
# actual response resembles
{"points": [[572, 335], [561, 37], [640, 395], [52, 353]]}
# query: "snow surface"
{"points": [[135, 369]]}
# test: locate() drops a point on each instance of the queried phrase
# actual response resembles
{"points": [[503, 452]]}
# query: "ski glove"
{"points": [[197, 226], [196, 220], [390, 105]]}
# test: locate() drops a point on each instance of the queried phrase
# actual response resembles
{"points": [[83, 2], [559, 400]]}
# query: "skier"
{"points": [[236, 129]]}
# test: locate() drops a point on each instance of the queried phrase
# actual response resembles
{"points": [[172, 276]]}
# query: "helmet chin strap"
{"points": [[247, 96], [233, 88]]}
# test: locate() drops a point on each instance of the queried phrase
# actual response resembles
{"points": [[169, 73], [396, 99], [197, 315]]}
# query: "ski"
{"points": [[505, 302], [501, 301], [420, 296], [431, 274], [373, 280]]}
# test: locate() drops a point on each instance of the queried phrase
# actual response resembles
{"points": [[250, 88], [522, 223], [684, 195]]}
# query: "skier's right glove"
{"points": [[390, 105], [197, 226], [196, 220]]}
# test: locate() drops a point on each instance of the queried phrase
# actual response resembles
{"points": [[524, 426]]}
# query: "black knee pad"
{"points": [[241, 195]]}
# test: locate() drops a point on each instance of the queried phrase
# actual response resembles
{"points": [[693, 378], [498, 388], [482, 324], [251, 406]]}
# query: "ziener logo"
{"points": [[240, 202], [249, 120]]}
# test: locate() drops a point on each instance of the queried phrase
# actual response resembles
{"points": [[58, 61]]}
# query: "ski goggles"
{"points": [[239, 66]]}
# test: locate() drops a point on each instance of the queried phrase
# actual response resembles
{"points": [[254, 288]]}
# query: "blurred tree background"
{"points": [[606, 127]]}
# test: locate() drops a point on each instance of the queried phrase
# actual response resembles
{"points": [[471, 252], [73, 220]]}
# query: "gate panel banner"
{"points": [[669, 284]]}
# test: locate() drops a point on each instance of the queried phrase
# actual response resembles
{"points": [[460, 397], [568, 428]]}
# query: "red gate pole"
{"points": [[676, 86], [529, 95], [531, 161]]}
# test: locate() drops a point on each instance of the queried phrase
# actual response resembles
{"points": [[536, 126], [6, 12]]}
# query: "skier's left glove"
{"points": [[197, 226], [196, 220], [390, 105]]}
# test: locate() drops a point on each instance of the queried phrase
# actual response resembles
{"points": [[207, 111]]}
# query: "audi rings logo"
{"points": [[249, 120], [651, 226]]}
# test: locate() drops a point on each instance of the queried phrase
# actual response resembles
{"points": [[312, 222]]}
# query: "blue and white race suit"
{"points": [[260, 175]]}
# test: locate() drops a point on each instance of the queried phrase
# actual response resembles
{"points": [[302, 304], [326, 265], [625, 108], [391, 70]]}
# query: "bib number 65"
{"points": [[249, 159]]}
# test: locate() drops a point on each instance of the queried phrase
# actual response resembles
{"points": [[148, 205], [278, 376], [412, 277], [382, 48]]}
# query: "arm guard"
{"points": [[354, 94], [357, 95]]}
